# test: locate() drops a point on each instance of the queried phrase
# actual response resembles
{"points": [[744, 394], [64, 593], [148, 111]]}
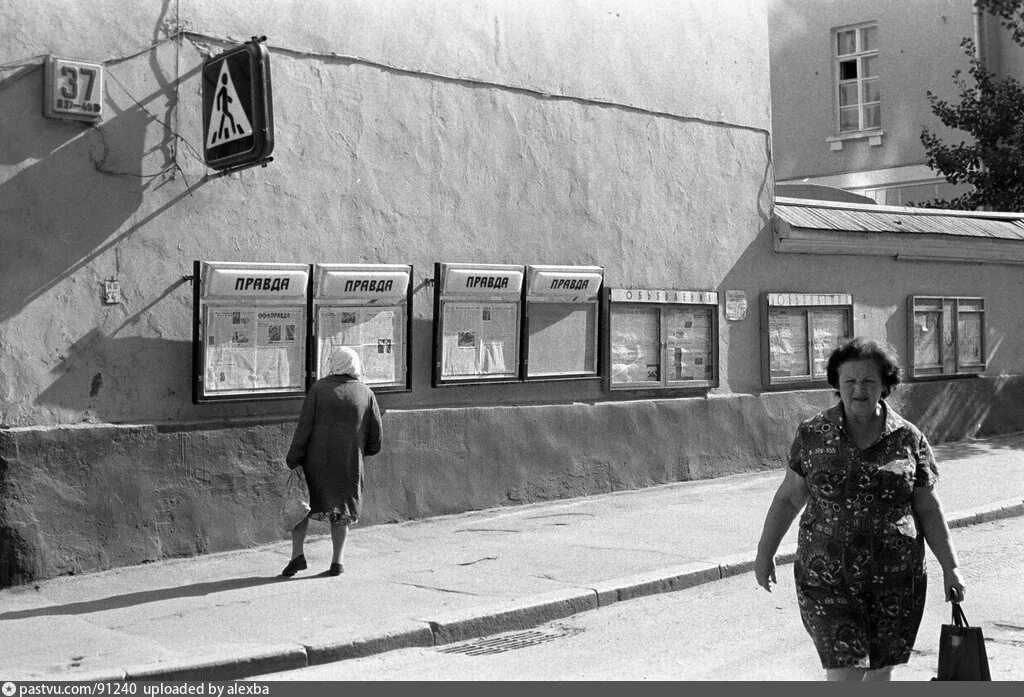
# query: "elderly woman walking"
{"points": [[867, 477], [338, 425]]}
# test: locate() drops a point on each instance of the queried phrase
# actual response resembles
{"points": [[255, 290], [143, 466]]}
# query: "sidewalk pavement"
{"points": [[426, 582]]}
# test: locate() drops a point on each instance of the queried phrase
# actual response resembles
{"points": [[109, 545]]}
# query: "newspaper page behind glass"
{"points": [[787, 336], [479, 340], [829, 329], [635, 339], [689, 343], [376, 334], [251, 349]]}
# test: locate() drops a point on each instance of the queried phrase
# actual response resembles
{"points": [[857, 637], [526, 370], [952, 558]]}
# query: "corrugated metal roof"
{"points": [[820, 215]]}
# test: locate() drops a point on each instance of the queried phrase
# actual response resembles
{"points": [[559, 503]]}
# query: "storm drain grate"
{"points": [[510, 642]]}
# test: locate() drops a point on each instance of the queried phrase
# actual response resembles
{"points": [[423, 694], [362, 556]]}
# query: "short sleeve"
{"points": [[927, 473], [796, 452]]}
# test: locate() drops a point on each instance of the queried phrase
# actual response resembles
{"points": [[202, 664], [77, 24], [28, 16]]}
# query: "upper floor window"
{"points": [[858, 99]]}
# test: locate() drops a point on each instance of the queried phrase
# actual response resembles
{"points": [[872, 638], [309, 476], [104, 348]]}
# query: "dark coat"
{"points": [[339, 424]]}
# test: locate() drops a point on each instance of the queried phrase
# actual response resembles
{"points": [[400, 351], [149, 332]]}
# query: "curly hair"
{"points": [[860, 348]]}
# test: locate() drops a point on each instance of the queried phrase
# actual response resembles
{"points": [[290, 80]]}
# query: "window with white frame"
{"points": [[856, 58]]}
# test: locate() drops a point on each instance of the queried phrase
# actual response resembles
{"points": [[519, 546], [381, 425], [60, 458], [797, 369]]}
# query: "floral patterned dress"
{"points": [[860, 573]]}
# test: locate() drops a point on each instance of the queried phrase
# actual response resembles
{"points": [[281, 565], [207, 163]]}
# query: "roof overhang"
{"points": [[836, 236]]}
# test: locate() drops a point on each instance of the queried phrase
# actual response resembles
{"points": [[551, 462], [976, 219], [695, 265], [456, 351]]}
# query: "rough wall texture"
{"points": [[84, 498], [406, 132]]}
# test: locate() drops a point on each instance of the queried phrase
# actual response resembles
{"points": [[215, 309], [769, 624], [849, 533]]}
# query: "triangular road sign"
{"points": [[228, 121]]}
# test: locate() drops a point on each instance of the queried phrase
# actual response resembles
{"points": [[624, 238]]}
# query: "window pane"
{"points": [[872, 116], [926, 339], [869, 66], [848, 119], [868, 38], [689, 336], [848, 94], [828, 330], [871, 91], [376, 334], [563, 338], [948, 337], [969, 338], [480, 340], [635, 345], [845, 42], [848, 70], [787, 337]]}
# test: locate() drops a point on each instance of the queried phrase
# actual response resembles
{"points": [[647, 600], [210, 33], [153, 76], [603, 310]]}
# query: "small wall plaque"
{"points": [[73, 90]]}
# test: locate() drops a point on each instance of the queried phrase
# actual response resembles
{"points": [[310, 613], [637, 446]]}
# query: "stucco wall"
{"points": [[406, 132], [918, 50], [83, 498]]}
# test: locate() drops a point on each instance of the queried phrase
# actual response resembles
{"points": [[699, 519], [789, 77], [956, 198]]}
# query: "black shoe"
{"points": [[295, 565], [335, 570]]}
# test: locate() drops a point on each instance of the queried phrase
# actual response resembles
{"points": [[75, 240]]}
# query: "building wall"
{"points": [[517, 133], [632, 136], [918, 50]]}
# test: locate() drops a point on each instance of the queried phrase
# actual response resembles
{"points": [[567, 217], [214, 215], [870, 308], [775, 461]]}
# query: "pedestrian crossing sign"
{"points": [[238, 118], [227, 121]]}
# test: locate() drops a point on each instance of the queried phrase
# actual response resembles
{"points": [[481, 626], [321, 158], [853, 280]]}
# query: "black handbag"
{"points": [[962, 650]]}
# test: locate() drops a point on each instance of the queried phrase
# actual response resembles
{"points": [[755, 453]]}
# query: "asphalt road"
{"points": [[727, 630]]}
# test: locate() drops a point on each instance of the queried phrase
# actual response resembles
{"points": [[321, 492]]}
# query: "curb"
{"points": [[245, 662], [1010, 508], [225, 664], [518, 614]]}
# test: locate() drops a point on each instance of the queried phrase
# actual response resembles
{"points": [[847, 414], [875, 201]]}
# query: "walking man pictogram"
{"points": [[222, 101]]}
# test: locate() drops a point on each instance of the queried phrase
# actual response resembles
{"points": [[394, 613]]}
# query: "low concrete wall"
{"points": [[86, 498]]}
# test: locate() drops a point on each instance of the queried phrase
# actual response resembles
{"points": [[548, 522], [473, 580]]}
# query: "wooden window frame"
{"points": [[949, 366], [662, 300], [808, 303]]}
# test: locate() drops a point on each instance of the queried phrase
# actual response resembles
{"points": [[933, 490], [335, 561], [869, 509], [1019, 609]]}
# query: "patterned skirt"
{"points": [[334, 516]]}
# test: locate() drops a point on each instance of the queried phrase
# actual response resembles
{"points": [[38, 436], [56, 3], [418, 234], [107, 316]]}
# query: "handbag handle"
{"points": [[959, 618]]}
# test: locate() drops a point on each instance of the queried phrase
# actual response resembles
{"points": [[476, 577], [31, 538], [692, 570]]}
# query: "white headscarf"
{"points": [[345, 361]]}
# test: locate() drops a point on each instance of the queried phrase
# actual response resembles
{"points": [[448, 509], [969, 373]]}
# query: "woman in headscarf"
{"points": [[338, 425]]}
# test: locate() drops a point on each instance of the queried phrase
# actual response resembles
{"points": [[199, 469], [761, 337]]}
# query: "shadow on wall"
{"points": [[87, 181], [962, 408], [750, 274], [112, 380]]}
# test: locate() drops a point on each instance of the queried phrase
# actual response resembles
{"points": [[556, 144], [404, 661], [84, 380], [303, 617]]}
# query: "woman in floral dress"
{"points": [[866, 476]]}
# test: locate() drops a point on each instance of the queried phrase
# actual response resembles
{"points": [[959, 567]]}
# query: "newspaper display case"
{"points": [[798, 333], [367, 307], [477, 312], [249, 331], [662, 339], [562, 314], [946, 337]]}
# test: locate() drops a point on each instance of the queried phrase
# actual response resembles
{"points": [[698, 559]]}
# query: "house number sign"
{"points": [[73, 90]]}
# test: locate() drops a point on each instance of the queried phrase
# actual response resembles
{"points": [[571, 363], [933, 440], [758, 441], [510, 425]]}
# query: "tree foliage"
{"points": [[991, 110]]}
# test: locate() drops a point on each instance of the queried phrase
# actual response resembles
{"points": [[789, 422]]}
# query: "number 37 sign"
{"points": [[73, 90]]}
